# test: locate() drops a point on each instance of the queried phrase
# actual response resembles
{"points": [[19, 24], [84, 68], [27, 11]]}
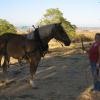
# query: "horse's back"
{"points": [[18, 46], [7, 36], [4, 39]]}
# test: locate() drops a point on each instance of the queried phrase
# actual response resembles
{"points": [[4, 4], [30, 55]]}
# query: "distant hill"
{"points": [[89, 29], [23, 28]]}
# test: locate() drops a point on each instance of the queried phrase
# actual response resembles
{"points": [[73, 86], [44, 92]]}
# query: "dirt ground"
{"points": [[63, 74]]}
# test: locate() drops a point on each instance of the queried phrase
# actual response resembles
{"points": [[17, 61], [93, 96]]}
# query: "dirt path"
{"points": [[61, 75]]}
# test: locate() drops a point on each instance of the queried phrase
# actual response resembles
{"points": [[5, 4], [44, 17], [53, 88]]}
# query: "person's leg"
{"points": [[94, 72]]}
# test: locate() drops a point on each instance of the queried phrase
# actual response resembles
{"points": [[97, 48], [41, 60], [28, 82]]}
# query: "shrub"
{"points": [[85, 38], [5, 26]]}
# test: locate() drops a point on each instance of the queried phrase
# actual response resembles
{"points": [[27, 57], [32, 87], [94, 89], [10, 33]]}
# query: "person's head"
{"points": [[97, 37]]}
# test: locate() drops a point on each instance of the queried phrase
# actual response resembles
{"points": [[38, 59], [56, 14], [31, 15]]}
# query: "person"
{"points": [[94, 58]]}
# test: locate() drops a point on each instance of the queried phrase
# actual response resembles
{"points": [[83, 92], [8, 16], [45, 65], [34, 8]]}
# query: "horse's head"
{"points": [[60, 34]]}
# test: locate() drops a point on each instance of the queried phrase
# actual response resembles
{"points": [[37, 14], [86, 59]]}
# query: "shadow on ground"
{"points": [[63, 74]]}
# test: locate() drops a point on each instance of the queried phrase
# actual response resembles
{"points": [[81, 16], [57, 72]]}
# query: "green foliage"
{"points": [[5, 26], [55, 16]]}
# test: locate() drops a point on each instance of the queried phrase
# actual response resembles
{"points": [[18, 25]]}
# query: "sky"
{"points": [[85, 13]]}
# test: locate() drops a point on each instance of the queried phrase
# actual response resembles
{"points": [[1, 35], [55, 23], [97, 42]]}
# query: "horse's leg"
{"points": [[7, 61], [5, 64], [33, 67], [0, 59], [20, 62]]}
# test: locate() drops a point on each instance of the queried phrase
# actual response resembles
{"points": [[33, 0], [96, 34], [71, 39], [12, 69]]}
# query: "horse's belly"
{"points": [[15, 51]]}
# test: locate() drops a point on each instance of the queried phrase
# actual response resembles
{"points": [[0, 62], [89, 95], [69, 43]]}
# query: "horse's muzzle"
{"points": [[67, 43]]}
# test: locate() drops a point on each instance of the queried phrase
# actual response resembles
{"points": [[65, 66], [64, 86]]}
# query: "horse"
{"points": [[20, 47], [3, 42], [8, 36]]}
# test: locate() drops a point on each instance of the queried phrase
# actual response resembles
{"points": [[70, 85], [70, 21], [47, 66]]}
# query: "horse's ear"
{"points": [[33, 26]]}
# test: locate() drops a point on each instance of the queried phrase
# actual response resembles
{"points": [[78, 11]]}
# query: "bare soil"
{"points": [[63, 74]]}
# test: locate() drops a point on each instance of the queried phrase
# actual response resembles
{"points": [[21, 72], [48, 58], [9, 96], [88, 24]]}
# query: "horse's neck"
{"points": [[45, 33]]}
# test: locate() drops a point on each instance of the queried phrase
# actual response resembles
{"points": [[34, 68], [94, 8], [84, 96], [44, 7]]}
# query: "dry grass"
{"points": [[54, 44], [87, 34]]}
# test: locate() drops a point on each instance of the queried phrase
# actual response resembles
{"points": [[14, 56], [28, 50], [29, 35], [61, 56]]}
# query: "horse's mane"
{"points": [[42, 47]]}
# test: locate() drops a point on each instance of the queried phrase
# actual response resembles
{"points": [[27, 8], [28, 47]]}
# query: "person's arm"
{"points": [[98, 62]]}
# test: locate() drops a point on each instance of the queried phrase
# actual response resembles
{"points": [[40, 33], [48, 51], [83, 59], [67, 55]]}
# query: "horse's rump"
{"points": [[18, 47]]}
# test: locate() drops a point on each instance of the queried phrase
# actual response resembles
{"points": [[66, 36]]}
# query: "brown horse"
{"points": [[20, 47], [4, 40]]}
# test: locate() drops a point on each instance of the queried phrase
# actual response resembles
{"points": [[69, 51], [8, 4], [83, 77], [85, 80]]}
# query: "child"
{"points": [[94, 58]]}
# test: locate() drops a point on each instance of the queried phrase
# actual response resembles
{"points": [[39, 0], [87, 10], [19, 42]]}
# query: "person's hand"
{"points": [[97, 65]]}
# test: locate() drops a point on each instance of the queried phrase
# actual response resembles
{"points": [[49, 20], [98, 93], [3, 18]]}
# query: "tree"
{"points": [[5, 26], [55, 16]]}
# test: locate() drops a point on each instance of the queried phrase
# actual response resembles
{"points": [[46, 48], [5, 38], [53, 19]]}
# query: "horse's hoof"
{"points": [[33, 85], [2, 83]]}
